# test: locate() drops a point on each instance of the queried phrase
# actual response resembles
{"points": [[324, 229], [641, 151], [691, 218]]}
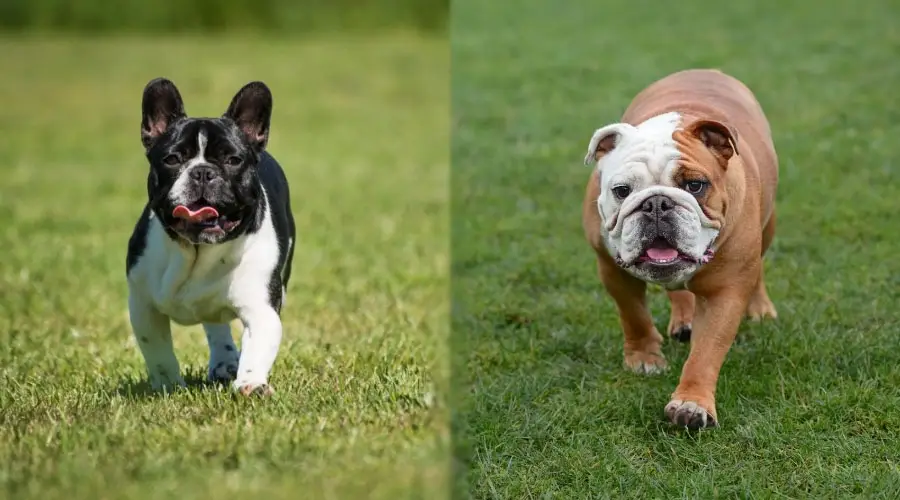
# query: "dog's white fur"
{"points": [[212, 285], [645, 158], [177, 193]]}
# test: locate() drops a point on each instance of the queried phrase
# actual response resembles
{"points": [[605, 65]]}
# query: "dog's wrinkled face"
{"points": [[662, 193], [203, 183]]}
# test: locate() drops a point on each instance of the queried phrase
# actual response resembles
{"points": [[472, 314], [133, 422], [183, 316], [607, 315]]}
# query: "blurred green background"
{"points": [[290, 17], [360, 125]]}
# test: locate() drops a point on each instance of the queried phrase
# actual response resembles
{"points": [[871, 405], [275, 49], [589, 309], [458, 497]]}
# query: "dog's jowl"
{"points": [[215, 240], [683, 196]]}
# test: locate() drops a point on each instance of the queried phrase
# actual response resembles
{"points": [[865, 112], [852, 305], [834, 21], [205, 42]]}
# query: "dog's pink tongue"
{"points": [[662, 253], [200, 215]]}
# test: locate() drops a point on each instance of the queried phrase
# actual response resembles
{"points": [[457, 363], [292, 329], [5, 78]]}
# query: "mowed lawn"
{"points": [[361, 127], [809, 405]]}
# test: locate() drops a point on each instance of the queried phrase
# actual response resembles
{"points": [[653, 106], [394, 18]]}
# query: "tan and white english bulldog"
{"points": [[683, 196]]}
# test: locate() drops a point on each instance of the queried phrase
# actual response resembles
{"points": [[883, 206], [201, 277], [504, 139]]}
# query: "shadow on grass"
{"points": [[139, 388]]}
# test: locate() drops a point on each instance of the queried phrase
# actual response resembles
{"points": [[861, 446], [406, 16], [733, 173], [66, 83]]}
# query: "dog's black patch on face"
{"points": [[202, 162]]}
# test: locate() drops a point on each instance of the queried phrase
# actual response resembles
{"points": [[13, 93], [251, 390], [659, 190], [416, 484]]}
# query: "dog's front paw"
{"points": [[254, 389], [691, 414], [222, 372], [224, 357], [645, 362]]}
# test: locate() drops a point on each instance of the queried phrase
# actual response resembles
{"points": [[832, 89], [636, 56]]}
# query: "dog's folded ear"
{"points": [[605, 140], [718, 137], [161, 106], [251, 110]]}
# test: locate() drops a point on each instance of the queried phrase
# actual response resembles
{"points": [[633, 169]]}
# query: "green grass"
{"points": [[361, 127], [269, 16], [810, 404]]}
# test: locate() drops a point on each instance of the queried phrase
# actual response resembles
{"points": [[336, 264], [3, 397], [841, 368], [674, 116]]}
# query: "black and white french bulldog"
{"points": [[215, 240]]}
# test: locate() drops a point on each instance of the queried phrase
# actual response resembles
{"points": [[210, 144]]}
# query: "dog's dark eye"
{"points": [[171, 160], [621, 192], [696, 188], [233, 161]]}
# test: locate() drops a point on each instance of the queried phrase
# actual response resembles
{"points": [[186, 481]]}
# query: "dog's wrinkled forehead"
{"points": [[643, 154], [214, 136]]}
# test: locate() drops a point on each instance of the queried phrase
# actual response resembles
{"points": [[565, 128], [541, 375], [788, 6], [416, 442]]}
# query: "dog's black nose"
{"points": [[657, 205], [203, 173]]}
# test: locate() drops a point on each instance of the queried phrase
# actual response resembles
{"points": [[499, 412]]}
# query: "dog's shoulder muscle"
{"points": [[138, 241], [278, 207]]}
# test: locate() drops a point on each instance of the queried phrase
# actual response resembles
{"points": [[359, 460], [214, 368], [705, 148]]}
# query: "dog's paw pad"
{"points": [[689, 414], [262, 390], [681, 333], [648, 363]]}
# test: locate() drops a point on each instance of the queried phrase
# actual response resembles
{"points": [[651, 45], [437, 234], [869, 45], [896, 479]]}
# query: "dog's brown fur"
{"points": [[727, 139]]}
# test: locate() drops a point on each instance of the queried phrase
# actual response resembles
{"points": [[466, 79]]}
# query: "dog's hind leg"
{"points": [[760, 306], [682, 314]]}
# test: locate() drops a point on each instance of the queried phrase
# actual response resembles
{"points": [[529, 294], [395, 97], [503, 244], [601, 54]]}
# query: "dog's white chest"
{"points": [[201, 298], [189, 285]]}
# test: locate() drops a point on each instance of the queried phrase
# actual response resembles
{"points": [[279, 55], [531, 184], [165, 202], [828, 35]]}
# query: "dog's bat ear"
{"points": [[718, 137], [161, 106], [251, 110], [605, 140]]}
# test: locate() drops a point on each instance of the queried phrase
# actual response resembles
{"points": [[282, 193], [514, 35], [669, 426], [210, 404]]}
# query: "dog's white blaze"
{"points": [[645, 158], [179, 188], [202, 139], [209, 284]]}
